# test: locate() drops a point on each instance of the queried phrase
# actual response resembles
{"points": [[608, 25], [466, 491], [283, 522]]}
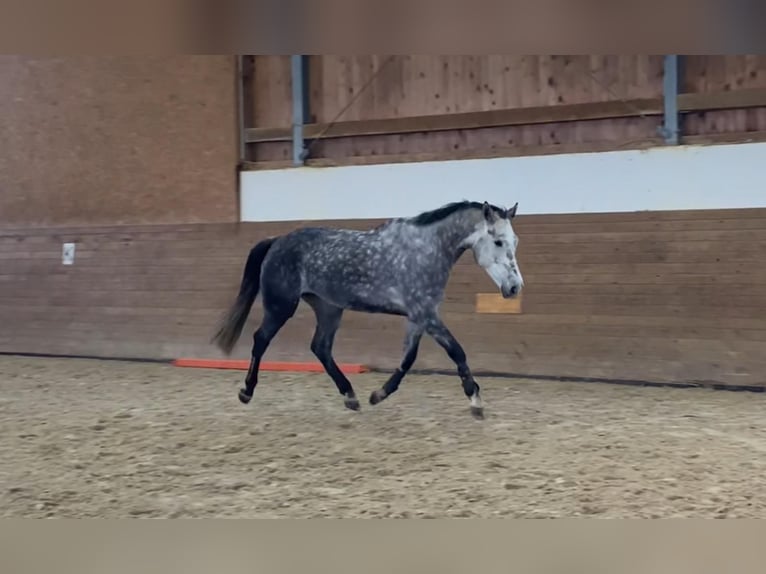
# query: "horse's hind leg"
{"points": [[411, 344], [328, 320], [276, 314]]}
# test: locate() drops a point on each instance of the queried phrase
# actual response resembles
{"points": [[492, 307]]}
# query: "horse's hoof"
{"points": [[244, 398], [478, 412], [352, 403], [376, 396]]}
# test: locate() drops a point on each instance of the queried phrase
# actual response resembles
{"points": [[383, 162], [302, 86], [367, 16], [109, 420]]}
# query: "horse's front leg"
{"points": [[411, 343], [438, 330]]}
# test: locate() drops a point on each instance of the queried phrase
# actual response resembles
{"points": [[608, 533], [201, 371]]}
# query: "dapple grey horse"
{"points": [[398, 268]]}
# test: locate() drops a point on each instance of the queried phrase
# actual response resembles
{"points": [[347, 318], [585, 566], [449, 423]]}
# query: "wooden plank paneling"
{"points": [[522, 116], [494, 303], [271, 91], [667, 296], [714, 73], [579, 137], [470, 120], [416, 108], [642, 134], [721, 73], [419, 85]]}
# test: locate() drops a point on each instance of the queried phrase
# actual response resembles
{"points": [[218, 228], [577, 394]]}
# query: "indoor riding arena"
{"points": [[625, 380]]}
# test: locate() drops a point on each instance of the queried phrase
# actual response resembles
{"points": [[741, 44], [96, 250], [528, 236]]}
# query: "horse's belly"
{"points": [[377, 300], [363, 301], [370, 307]]}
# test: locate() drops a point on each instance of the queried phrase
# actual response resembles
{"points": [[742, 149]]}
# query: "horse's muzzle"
{"points": [[510, 291]]}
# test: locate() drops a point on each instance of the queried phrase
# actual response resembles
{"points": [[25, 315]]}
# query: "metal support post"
{"points": [[300, 106], [670, 129]]}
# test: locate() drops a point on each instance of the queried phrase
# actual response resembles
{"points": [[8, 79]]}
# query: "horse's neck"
{"points": [[454, 233]]}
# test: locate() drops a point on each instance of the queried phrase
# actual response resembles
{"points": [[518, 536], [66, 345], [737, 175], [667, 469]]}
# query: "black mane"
{"points": [[440, 213]]}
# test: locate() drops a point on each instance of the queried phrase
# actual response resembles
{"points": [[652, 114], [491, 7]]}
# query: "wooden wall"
{"points": [[423, 85], [110, 140], [711, 74], [671, 296], [134, 159], [617, 97]]}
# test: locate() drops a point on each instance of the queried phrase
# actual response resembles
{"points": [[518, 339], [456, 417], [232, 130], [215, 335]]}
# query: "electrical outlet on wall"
{"points": [[67, 254]]}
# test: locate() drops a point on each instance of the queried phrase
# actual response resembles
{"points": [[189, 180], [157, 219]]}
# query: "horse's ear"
{"points": [[511, 213], [489, 214]]}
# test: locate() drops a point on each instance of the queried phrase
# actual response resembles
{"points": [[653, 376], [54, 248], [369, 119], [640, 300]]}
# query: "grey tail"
{"points": [[236, 317]]}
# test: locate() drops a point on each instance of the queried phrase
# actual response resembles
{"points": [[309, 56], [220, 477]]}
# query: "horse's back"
{"points": [[312, 251], [308, 241], [335, 264]]}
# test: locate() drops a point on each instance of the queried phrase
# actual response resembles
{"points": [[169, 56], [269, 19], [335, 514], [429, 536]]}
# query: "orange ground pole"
{"points": [[238, 365]]}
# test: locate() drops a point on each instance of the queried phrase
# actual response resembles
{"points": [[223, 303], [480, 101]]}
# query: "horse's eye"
{"points": [[498, 243]]}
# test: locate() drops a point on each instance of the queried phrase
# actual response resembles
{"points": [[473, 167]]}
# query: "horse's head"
{"points": [[494, 246]]}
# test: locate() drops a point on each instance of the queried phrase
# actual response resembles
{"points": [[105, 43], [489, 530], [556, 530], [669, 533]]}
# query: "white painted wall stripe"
{"points": [[667, 178]]}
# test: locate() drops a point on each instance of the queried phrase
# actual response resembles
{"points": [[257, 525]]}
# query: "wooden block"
{"points": [[494, 303]]}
